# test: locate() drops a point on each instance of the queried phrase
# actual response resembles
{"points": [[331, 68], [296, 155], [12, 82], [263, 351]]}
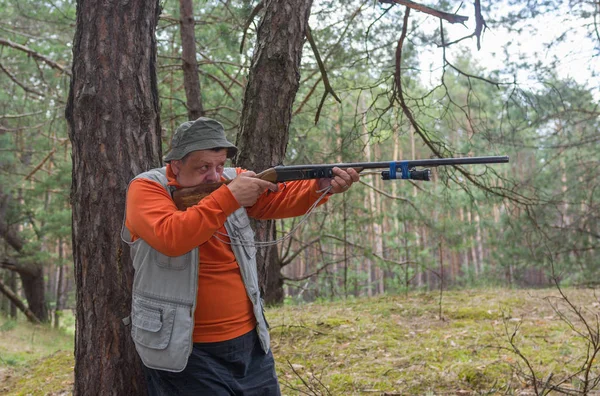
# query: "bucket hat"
{"points": [[201, 134]]}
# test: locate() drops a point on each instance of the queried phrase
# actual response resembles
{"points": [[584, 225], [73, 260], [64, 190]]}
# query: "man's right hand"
{"points": [[246, 188]]}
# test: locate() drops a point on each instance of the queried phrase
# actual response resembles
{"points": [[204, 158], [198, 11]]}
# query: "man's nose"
{"points": [[212, 176]]}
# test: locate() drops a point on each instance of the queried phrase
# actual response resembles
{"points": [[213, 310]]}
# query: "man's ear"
{"points": [[176, 166]]}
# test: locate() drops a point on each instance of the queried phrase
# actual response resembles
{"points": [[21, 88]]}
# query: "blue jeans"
{"points": [[234, 367]]}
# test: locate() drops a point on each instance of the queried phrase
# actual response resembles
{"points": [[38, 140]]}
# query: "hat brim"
{"points": [[177, 154]]}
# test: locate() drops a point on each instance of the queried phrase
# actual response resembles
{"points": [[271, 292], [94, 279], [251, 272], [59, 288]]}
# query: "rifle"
{"points": [[407, 170]]}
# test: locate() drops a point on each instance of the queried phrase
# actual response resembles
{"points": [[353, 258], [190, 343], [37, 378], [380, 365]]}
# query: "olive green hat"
{"points": [[202, 134]]}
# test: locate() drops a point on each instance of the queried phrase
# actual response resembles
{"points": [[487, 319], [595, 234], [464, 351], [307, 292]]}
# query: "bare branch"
{"points": [[480, 25], [15, 116], [324, 77], [35, 55], [253, 14], [452, 18], [14, 79], [373, 253]]}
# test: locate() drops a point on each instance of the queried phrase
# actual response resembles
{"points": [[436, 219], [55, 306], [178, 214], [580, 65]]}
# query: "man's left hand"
{"points": [[341, 181]]}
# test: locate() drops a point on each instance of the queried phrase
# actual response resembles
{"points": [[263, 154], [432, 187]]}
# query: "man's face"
{"points": [[202, 166]]}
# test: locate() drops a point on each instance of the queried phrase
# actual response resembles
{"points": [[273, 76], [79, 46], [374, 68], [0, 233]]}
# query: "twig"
{"points": [[308, 95], [328, 88], [37, 168]]}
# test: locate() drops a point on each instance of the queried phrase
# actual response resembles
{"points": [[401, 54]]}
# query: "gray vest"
{"points": [[165, 289]]}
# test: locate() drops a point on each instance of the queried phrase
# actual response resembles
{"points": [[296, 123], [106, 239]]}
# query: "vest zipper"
{"points": [[168, 300], [193, 307]]}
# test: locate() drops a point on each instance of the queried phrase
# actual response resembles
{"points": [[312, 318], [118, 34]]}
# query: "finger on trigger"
{"points": [[267, 185], [247, 174]]}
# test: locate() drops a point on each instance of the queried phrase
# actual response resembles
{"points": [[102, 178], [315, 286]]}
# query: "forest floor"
{"points": [[415, 344]]}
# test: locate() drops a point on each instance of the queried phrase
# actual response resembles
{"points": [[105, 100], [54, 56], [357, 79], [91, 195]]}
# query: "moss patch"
{"points": [[52, 375], [390, 344]]}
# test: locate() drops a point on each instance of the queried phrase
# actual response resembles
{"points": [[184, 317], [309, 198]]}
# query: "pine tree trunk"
{"points": [[34, 288], [114, 129], [190, 64], [264, 127]]}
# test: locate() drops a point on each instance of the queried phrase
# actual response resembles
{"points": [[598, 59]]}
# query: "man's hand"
{"points": [[341, 182], [246, 188]]}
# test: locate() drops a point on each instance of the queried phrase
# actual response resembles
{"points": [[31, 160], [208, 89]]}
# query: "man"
{"points": [[197, 317]]}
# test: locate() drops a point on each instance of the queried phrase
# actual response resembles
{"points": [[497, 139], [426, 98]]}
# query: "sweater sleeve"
{"points": [[152, 215], [293, 199]]}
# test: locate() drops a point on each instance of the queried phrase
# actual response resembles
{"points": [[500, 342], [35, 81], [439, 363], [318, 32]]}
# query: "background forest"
{"points": [[377, 83], [501, 225]]}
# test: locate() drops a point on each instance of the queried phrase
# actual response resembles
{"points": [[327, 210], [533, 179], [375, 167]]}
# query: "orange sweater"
{"points": [[223, 309]]}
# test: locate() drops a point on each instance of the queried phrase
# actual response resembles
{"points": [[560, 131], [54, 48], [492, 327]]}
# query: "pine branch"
{"points": [[14, 79], [35, 55]]}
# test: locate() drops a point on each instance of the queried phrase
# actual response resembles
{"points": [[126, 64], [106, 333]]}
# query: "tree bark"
{"points": [[191, 80], [267, 112], [34, 288], [114, 128]]}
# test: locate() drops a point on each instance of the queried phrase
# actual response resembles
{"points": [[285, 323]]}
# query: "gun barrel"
{"points": [[410, 163], [186, 197]]}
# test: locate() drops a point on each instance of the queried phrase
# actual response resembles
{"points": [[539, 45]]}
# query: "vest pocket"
{"points": [[174, 263], [152, 324]]}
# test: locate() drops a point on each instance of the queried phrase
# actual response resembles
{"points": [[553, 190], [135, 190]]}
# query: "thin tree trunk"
{"points": [[473, 244], [369, 202], [61, 295], [191, 80], [264, 127], [12, 284], [114, 129], [5, 303], [479, 241]]}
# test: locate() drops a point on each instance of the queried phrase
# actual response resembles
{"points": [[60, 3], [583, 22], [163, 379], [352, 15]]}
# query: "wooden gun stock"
{"points": [[190, 196]]}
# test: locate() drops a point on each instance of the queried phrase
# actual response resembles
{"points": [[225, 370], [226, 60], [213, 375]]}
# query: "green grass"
{"points": [[34, 359], [381, 345]]}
